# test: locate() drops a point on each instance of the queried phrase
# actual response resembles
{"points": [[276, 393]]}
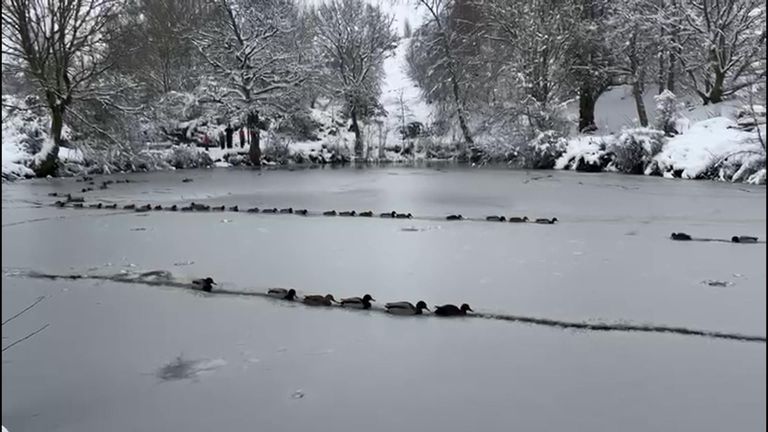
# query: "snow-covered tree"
{"points": [[61, 46], [667, 112], [255, 58], [443, 55], [354, 38], [721, 43]]}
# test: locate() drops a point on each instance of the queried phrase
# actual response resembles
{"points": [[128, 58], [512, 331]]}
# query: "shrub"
{"points": [[543, 151], [635, 149]]}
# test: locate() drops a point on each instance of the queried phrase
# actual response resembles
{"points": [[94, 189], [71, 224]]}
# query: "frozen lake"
{"points": [[108, 360]]}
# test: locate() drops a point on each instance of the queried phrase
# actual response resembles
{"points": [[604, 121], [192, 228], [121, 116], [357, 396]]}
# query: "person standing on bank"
{"points": [[230, 132]]}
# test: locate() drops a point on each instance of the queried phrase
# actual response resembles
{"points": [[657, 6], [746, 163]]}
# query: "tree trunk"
{"points": [[254, 150], [716, 92], [460, 111], [671, 73], [637, 92], [587, 103], [358, 137], [50, 164]]}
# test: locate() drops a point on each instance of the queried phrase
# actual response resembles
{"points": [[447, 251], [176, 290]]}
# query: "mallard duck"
{"points": [[253, 210], [53, 194], [200, 207], [744, 239], [272, 210], [60, 203], [186, 180], [110, 206], [71, 198], [288, 210], [451, 310], [234, 209], [348, 213], [403, 216], [218, 208], [144, 208], [97, 206], [389, 215], [282, 293], [366, 214], [78, 205], [302, 212], [406, 308], [680, 236], [173, 208], [329, 213], [129, 206], [455, 217], [158, 207], [187, 209], [103, 186], [518, 219], [318, 300], [546, 221], [495, 218], [357, 302], [205, 284]]}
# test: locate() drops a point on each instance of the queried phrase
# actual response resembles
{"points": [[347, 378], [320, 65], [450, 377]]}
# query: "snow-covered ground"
{"points": [[110, 358]]}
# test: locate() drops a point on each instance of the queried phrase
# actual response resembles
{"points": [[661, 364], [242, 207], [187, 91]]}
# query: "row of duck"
{"points": [[79, 202], [364, 302]]}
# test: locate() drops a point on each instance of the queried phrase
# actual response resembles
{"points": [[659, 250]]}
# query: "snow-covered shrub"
{"points": [[667, 112], [634, 150], [277, 150], [183, 156], [543, 151], [586, 153]]}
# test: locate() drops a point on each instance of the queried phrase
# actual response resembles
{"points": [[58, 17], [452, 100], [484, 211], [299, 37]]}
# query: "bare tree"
{"points": [[355, 38], [61, 46], [256, 67], [720, 45]]}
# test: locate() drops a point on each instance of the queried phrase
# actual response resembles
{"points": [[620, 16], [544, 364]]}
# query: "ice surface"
{"points": [[275, 366]]}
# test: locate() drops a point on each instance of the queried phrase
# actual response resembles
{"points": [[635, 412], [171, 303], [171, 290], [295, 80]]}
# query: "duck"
{"points": [[205, 284], [318, 300], [301, 212], [403, 216], [253, 210], [71, 198], [406, 308], [454, 217], [187, 208], [200, 207], [218, 208], [186, 180], [518, 219], [366, 214], [110, 206], [348, 213], [391, 214], [451, 310], [234, 209], [53, 194], [99, 205], [357, 302], [104, 186], [329, 213], [78, 205], [272, 210], [680, 236], [60, 203], [546, 221], [84, 190], [282, 293], [144, 208], [158, 207], [173, 208], [129, 206], [495, 218], [744, 239], [288, 210]]}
